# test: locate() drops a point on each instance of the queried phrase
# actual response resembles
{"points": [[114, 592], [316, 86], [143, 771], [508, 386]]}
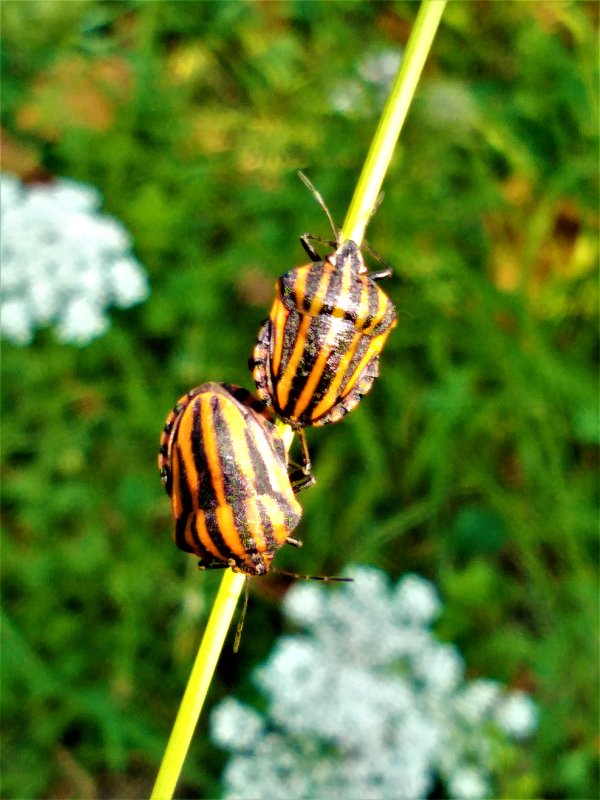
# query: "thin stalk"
{"points": [[392, 119], [197, 687], [365, 197]]}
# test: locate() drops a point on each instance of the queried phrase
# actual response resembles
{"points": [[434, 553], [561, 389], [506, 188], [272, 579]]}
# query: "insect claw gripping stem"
{"points": [[305, 241], [378, 276], [299, 484], [306, 465]]}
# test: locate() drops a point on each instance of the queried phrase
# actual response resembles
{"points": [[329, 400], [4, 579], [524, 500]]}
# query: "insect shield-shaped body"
{"points": [[318, 353], [224, 467]]}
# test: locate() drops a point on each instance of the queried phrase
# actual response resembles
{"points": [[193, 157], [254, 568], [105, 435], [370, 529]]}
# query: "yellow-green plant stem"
{"points": [[393, 116], [197, 687], [365, 197]]}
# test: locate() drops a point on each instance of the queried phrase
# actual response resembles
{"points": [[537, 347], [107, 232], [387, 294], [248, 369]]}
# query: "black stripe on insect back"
{"points": [[286, 289], [185, 499], [199, 549], [387, 320], [331, 299], [180, 537], [332, 367], [363, 346], [290, 336], [262, 481], [205, 497], [208, 492], [229, 455], [373, 304], [318, 281], [234, 484], [262, 485], [311, 347], [328, 334], [351, 302]]}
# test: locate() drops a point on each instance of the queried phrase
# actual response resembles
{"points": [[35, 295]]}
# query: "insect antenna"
{"points": [[242, 619], [321, 202]]}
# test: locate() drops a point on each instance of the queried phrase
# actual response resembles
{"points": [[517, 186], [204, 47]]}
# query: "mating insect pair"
{"points": [[221, 458]]}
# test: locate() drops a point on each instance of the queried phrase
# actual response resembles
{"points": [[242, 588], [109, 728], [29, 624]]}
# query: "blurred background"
{"points": [[473, 462]]}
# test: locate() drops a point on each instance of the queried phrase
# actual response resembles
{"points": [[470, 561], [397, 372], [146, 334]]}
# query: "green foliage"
{"points": [[473, 461]]}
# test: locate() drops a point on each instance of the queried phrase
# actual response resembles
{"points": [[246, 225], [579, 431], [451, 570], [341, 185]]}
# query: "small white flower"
{"points": [[468, 784], [128, 282], [235, 726], [63, 263], [416, 600], [69, 195], [516, 715], [10, 191], [440, 667], [477, 700], [14, 321], [81, 322], [304, 605]]}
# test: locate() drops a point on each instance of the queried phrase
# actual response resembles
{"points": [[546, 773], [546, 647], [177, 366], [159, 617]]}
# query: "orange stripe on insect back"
{"points": [[380, 313], [211, 451], [321, 290], [316, 372], [285, 381], [176, 504], [330, 398], [228, 527], [374, 349], [237, 428], [363, 311], [254, 523], [277, 516], [185, 450], [203, 534], [339, 308], [278, 316], [383, 302]]}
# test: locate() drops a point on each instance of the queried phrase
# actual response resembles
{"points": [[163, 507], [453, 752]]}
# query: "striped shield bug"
{"points": [[225, 468], [318, 352]]}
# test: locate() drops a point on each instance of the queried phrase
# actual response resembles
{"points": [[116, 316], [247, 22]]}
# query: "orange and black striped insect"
{"points": [[225, 468], [318, 352]]}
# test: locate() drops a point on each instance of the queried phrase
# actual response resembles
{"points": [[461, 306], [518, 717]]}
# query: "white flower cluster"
{"points": [[368, 705], [63, 263]]}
